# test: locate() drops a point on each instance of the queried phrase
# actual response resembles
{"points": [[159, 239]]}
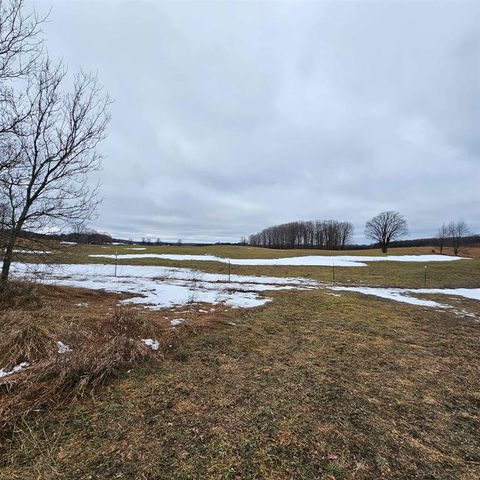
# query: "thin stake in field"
{"points": [[425, 276]]}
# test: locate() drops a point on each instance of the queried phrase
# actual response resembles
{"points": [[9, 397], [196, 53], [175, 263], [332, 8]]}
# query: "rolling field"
{"points": [[461, 274], [317, 383]]}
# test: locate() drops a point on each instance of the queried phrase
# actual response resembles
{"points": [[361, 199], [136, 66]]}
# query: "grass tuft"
{"points": [[99, 351]]}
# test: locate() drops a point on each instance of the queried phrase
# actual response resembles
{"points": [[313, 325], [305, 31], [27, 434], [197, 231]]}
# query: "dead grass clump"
{"points": [[20, 295], [114, 346], [24, 339], [92, 364], [68, 376], [127, 322]]}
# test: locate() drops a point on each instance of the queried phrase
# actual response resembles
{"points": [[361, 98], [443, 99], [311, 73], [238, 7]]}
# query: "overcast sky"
{"points": [[231, 117]]}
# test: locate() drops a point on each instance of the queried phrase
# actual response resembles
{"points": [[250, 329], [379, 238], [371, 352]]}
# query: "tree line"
{"points": [[328, 234], [383, 229]]}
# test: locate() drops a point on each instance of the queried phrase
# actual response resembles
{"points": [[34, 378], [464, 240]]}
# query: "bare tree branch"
{"points": [[21, 47]]}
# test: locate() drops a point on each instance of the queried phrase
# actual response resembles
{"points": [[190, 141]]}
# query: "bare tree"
{"points": [[442, 236], [346, 233], [20, 49], [52, 151], [457, 230], [385, 227]]}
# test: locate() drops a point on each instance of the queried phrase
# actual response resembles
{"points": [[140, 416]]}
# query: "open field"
{"points": [[390, 274], [317, 383]]}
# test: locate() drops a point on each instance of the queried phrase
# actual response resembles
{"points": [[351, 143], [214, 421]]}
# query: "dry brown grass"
{"points": [[309, 386], [105, 339]]}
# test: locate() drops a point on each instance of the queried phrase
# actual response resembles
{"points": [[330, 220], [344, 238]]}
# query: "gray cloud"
{"points": [[229, 117]]}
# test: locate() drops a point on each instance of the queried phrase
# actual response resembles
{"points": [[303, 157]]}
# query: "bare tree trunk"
{"points": [[8, 255], [7, 261]]}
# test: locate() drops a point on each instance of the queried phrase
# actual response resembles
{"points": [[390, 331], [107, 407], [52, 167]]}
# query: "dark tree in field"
{"points": [[442, 237], [385, 227], [457, 230], [51, 152]]}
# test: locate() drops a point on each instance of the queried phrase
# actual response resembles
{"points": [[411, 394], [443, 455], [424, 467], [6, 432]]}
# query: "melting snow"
{"points": [[177, 321], [396, 294], [404, 295], [153, 344], [308, 260], [32, 252], [15, 369], [163, 287], [63, 347]]}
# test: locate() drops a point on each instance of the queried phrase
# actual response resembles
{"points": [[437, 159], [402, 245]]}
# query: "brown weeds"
{"points": [[99, 351]]}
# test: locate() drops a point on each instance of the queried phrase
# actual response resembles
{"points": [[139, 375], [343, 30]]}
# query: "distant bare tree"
{"points": [[385, 227], [457, 230], [51, 152], [442, 236], [346, 233]]}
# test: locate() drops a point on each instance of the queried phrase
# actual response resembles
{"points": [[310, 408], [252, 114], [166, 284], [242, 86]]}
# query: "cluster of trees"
{"points": [[86, 235], [149, 241], [329, 234], [383, 229], [50, 126], [452, 235]]}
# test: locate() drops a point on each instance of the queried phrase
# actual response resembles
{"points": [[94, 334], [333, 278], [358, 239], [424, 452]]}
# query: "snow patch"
{"points": [[31, 252], [396, 294], [150, 342], [16, 368], [308, 260], [63, 347], [177, 321], [163, 287], [406, 295]]}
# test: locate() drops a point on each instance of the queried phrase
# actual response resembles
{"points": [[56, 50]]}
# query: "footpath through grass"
{"points": [[310, 386]]}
